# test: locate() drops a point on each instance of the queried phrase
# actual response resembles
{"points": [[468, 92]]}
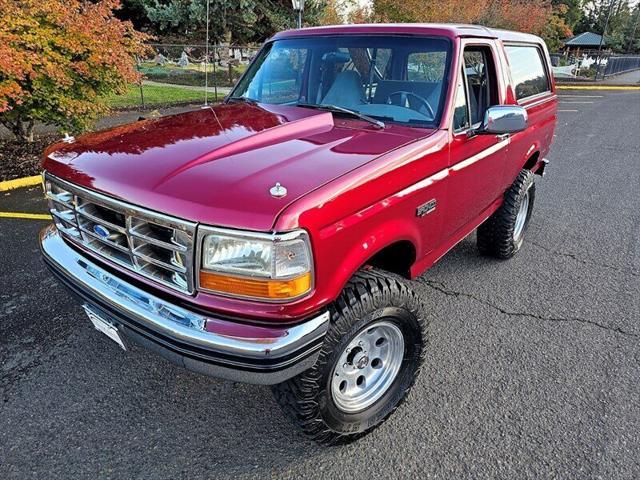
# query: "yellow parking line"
{"points": [[596, 87], [27, 216], [20, 182]]}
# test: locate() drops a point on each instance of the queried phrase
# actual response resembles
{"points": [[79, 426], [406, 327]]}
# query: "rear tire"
{"points": [[374, 308], [502, 234]]}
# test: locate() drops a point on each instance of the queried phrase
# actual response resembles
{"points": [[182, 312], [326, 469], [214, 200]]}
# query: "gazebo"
{"points": [[587, 41]]}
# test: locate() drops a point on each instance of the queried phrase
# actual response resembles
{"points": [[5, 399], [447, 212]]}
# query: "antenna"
{"points": [[206, 61]]}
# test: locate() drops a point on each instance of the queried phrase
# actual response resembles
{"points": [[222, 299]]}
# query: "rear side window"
{"points": [[527, 70]]}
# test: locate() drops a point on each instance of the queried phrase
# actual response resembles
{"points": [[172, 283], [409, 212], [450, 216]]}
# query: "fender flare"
{"points": [[370, 243]]}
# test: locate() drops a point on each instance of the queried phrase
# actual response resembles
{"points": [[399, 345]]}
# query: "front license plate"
{"points": [[104, 326]]}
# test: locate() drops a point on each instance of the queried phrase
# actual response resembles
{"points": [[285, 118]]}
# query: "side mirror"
{"points": [[502, 119]]}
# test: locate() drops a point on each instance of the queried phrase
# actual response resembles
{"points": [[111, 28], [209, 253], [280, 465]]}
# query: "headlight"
{"points": [[255, 265]]}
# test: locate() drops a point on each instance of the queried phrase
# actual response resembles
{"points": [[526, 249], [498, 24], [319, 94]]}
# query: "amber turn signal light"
{"points": [[257, 288]]}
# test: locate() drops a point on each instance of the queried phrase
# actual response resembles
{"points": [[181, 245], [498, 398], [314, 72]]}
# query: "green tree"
{"points": [[134, 12], [241, 21], [620, 26]]}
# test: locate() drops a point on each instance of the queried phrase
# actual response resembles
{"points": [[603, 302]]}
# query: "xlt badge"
{"points": [[426, 208]]}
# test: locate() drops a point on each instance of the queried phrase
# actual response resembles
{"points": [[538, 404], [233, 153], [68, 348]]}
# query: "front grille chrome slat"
{"points": [[151, 244], [57, 199], [67, 216], [112, 226], [138, 233], [118, 246], [158, 263]]}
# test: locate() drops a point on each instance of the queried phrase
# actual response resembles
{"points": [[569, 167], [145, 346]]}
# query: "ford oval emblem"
{"points": [[101, 231]]}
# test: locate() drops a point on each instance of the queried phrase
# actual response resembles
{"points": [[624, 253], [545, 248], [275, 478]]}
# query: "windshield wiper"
{"points": [[337, 109], [248, 100]]}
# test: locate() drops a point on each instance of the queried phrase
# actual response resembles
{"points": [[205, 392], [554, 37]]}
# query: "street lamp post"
{"points": [[604, 32], [298, 5]]}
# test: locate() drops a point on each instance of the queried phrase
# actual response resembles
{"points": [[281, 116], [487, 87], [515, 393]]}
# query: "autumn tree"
{"points": [[429, 11], [524, 15], [59, 59], [360, 13], [338, 12], [570, 11], [332, 13], [557, 30]]}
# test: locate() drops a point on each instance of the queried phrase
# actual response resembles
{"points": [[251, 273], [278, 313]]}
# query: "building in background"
{"points": [[587, 41]]}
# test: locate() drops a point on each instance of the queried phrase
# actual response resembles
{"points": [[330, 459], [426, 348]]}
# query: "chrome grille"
{"points": [[152, 244]]}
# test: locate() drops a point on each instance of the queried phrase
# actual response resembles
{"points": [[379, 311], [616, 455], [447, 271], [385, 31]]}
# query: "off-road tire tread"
{"points": [[367, 290], [495, 235]]}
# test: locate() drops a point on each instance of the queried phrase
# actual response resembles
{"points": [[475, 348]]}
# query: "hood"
{"points": [[217, 165]]}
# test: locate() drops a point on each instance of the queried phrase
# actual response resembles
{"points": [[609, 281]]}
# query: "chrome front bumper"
{"points": [[206, 344]]}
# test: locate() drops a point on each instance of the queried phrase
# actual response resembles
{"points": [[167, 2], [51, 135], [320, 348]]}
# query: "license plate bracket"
{"points": [[104, 325]]}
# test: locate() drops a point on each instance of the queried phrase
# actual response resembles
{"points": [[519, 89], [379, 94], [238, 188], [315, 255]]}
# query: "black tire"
{"points": [[495, 236], [370, 296]]}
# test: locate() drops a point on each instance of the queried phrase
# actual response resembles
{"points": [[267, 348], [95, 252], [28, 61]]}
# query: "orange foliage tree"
{"points": [[337, 12], [557, 30], [331, 13], [58, 60], [524, 15]]}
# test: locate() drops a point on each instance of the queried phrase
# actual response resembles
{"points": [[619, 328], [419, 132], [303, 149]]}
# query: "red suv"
{"points": [[271, 239]]}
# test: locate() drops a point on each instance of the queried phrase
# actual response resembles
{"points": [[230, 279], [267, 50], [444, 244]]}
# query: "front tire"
{"points": [[502, 234], [369, 360]]}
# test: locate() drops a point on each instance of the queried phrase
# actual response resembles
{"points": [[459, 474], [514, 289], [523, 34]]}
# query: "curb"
{"points": [[20, 182], [154, 106]]}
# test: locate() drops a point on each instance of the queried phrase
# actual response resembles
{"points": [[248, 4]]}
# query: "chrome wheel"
{"points": [[521, 218], [367, 367]]}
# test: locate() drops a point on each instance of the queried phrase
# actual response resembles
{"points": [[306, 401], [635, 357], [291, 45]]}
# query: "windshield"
{"points": [[389, 78]]}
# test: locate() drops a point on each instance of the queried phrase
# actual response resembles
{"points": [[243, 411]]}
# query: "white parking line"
{"points": [[567, 110], [565, 101], [581, 96]]}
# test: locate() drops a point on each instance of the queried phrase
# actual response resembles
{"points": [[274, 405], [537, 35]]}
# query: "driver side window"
{"points": [[461, 108]]}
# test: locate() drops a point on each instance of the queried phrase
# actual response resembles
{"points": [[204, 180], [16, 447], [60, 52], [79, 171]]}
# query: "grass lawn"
{"points": [[192, 75], [154, 94]]}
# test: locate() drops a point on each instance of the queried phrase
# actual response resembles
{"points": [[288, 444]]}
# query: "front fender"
{"points": [[376, 205], [364, 242]]}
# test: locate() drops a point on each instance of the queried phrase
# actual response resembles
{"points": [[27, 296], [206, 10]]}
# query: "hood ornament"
{"points": [[278, 191]]}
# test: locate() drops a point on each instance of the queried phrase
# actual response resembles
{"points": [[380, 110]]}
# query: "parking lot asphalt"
{"points": [[533, 368]]}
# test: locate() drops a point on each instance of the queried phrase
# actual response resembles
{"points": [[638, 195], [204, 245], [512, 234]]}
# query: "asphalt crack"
{"points": [[580, 259], [442, 288]]}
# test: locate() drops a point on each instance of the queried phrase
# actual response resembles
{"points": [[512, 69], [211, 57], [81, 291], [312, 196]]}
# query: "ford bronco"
{"points": [[272, 239]]}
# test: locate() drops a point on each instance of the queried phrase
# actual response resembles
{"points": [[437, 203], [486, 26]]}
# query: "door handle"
{"points": [[503, 136]]}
